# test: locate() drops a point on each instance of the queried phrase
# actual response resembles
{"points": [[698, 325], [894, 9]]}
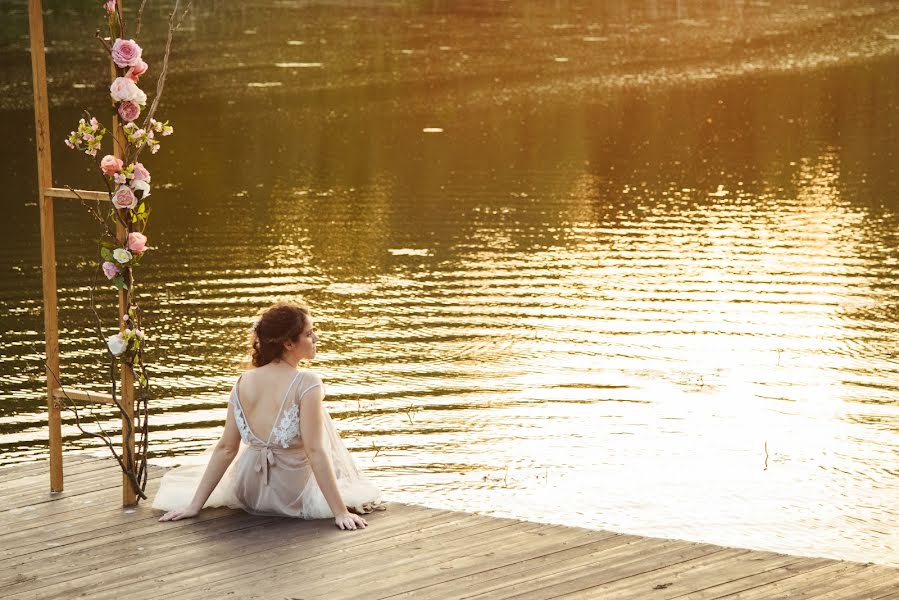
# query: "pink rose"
{"points": [[110, 270], [110, 6], [124, 198], [110, 165], [140, 173], [137, 242], [137, 70], [124, 89], [125, 53], [129, 110]]}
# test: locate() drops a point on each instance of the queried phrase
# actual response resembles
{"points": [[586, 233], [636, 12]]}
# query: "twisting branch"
{"points": [[160, 83], [94, 211], [103, 42], [103, 436], [128, 431], [140, 16], [121, 16]]}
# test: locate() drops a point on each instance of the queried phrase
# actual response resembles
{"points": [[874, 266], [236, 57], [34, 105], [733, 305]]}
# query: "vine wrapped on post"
{"points": [[124, 242]]}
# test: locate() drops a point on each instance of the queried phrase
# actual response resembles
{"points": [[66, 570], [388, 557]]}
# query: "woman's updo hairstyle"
{"points": [[282, 321]]}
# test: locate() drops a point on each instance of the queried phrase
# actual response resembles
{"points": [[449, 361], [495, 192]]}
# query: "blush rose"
{"points": [[140, 173], [110, 165], [124, 198], [125, 53], [137, 242], [129, 110], [137, 70]]}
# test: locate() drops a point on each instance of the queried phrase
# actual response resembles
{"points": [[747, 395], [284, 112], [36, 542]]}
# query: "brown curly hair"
{"points": [[282, 321]]}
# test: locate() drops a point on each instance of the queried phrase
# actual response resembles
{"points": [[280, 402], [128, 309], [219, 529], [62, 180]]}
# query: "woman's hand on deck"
{"points": [[348, 520], [180, 513]]}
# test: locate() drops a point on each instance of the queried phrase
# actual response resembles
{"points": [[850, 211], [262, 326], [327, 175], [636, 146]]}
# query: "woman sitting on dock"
{"points": [[292, 462]]}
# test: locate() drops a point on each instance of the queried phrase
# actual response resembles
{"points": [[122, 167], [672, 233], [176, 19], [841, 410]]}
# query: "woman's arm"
{"points": [[312, 432], [221, 458]]}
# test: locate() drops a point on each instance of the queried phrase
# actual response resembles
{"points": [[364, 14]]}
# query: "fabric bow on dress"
{"points": [[264, 458]]}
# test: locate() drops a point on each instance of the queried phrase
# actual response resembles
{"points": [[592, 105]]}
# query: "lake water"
{"points": [[644, 278]]}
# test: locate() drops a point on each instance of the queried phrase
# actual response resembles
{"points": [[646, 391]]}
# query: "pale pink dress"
{"points": [[273, 476]]}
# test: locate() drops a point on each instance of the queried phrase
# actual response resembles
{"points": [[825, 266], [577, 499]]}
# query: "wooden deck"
{"points": [[82, 544]]}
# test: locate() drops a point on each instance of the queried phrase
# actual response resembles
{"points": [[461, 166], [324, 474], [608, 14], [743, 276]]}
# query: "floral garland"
{"points": [[128, 180], [124, 242]]}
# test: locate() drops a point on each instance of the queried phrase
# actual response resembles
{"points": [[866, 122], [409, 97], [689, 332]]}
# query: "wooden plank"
{"points": [[62, 501], [31, 482], [108, 557], [403, 569], [746, 582], [41, 465], [95, 575], [607, 567], [82, 396], [81, 483], [494, 577], [407, 562], [62, 506], [487, 561], [102, 546], [794, 585], [48, 236], [392, 531], [65, 508], [633, 549], [61, 528], [325, 539], [52, 192], [673, 581], [78, 484], [867, 581], [82, 566]]}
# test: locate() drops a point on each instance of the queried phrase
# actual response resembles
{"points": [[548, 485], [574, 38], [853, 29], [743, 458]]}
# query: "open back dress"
{"points": [[272, 475]]}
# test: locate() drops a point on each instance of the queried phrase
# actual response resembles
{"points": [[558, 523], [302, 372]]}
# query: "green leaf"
{"points": [[106, 253], [119, 282]]}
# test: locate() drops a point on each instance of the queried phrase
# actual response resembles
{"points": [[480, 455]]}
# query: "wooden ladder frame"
{"points": [[46, 195]]}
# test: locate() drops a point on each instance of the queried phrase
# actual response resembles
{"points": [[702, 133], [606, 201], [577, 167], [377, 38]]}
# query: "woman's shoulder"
{"points": [[309, 378]]}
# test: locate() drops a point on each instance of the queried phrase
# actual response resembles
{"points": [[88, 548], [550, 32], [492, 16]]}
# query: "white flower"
{"points": [[139, 185], [140, 97], [123, 89], [121, 255], [116, 344]]}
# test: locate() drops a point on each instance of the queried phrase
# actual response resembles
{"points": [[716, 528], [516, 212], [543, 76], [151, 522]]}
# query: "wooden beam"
{"points": [[48, 235], [82, 396], [76, 194], [129, 493]]}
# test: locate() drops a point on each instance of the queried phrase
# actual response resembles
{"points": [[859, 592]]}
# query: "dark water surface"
{"points": [[644, 279]]}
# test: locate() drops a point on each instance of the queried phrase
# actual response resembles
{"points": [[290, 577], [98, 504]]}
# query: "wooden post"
{"points": [[129, 494], [48, 236]]}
